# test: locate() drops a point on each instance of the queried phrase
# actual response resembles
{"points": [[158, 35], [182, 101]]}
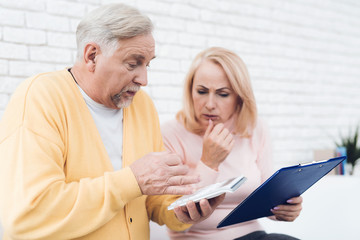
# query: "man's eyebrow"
{"points": [[139, 57]]}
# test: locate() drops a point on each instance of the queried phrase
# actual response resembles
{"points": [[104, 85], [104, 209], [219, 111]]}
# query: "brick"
{"points": [[9, 84], [163, 37], [66, 8], [163, 117], [27, 69], [200, 28], [154, 7], [167, 106], [167, 22], [4, 99], [175, 51], [4, 67], [186, 39], [13, 51], [49, 54], [67, 40], [184, 11], [161, 78], [172, 93], [165, 64], [73, 25], [21, 35], [11, 17], [35, 5], [46, 21], [90, 1]]}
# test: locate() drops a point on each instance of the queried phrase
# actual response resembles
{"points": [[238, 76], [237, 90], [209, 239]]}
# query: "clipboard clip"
{"points": [[313, 162]]}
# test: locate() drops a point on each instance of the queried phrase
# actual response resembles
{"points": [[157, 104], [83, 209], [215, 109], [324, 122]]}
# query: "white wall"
{"points": [[303, 57]]}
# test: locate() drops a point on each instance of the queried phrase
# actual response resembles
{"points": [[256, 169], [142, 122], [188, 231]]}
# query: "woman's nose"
{"points": [[210, 102]]}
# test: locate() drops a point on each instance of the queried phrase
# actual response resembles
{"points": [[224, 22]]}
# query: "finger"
{"points": [[285, 218], [288, 208], [228, 139], [295, 200], [224, 133], [206, 208], [182, 214], [193, 211], [209, 128], [214, 202], [177, 170], [183, 180], [285, 213], [173, 159], [179, 190], [218, 128]]}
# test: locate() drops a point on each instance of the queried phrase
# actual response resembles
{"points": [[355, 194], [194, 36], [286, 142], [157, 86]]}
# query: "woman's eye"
{"points": [[201, 92], [223, 94]]}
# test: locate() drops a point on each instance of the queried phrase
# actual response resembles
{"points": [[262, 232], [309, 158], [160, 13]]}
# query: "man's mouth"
{"points": [[130, 93]]}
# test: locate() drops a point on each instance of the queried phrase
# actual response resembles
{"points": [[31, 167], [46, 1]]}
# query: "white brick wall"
{"points": [[303, 57]]}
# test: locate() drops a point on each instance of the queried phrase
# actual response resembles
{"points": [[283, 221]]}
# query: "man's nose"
{"points": [[141, 77]]}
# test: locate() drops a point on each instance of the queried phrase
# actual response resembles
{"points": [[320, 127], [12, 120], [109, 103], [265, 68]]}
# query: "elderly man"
{"points": [[81, 149]]}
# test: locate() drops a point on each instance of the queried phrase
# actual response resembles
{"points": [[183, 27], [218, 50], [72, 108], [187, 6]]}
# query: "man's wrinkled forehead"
{"points": [[139, 48]]}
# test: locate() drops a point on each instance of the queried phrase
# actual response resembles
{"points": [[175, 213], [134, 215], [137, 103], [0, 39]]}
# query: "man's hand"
{"points": [[163, 173], [217, 144], [288, 212], [196, 212]]}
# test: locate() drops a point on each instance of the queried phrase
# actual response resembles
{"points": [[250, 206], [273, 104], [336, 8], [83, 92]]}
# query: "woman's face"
{"points": [[212, 94]]}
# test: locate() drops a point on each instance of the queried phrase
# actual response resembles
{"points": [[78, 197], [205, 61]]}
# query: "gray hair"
{"points": [[108, 24]]}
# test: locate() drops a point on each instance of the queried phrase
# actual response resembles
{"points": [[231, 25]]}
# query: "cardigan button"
{"points": [[130, 220]]}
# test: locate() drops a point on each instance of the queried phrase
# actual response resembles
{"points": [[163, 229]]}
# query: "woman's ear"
{"points": [[91, 50]]}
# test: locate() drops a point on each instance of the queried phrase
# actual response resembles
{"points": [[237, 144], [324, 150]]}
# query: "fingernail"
{"points": [[289, 201], [276, 208]]}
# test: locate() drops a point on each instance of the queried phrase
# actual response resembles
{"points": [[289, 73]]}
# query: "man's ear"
{"points": [[91, 51]]}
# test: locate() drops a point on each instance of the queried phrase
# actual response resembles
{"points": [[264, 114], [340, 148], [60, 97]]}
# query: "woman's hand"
{"points": [[217, 144], [288, 212]]}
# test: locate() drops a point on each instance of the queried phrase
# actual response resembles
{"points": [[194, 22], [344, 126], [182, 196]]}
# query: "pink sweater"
{"points": [[250, 157]]}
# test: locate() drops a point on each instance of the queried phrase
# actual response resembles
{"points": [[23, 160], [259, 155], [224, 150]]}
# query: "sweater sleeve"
{"points": [[157, 211]]}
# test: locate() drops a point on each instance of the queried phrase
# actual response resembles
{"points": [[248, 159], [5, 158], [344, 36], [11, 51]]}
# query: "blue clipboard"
{"points": [[284, 184]]}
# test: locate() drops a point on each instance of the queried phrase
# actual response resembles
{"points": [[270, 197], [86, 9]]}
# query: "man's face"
{"points": [[117, 78]]}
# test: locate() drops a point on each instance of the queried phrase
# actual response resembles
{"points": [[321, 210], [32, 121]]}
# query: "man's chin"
{"points": [[126, 103]]}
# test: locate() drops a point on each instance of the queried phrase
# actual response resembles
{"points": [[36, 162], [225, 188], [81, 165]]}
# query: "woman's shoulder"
{"points": [[171, 127], [261, 129]]}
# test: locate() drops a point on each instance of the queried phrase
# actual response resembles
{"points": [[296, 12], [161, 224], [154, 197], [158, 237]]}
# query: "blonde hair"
{"points": [[108, 24], [237, 73]]}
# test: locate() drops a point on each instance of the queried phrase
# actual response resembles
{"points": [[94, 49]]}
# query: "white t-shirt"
{"points": [[109, 123]]}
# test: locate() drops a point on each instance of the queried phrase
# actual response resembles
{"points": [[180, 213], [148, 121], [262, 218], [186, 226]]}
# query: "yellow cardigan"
{"points": [[56, 179]]}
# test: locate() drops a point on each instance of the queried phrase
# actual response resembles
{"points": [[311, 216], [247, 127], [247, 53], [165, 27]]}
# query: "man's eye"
{"points": [[132, 65]]}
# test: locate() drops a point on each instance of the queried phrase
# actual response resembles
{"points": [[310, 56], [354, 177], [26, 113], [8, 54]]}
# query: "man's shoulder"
{"points": [[42, 81]]}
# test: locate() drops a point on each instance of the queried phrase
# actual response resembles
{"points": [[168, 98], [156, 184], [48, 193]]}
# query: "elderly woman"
{"points": [[219, 136]]}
